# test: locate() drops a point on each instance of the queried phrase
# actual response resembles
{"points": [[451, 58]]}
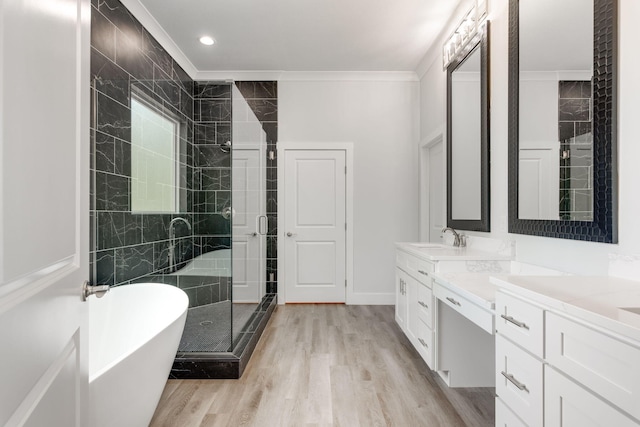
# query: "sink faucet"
{"points": [[458, 240], [172, 240]]}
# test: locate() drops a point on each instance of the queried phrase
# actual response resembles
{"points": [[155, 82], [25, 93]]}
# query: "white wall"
{"points": [[568, 255], [380, 118]]}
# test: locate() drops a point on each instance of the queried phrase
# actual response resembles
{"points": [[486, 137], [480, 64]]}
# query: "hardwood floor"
{"points": [[327, 365]]}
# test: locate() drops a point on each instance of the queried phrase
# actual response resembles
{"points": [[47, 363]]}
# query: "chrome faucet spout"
{"points": [[458, 240], [172, 226]]}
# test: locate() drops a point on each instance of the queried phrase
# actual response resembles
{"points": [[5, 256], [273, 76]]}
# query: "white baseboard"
{"points": [[371, 299]]}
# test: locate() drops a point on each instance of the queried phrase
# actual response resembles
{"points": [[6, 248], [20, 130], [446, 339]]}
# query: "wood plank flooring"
{"points": [[327, 365]]}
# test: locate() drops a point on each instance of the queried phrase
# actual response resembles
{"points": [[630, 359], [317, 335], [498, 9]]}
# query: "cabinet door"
{"points": [[401, 298], [598, 361], [412, 319], [567, 404]]}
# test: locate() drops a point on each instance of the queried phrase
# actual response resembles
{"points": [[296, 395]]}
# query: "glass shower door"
{"points": [[249, 214]]}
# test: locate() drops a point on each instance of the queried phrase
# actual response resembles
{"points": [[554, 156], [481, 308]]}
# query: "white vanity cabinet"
{"points": [[417, 307], [565, 355], [414, 302]]}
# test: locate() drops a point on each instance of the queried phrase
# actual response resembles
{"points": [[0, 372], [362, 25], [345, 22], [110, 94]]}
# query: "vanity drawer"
{"points": [[519, 381], [481, 317], [505, 417], [424, 343], [521, 322], [602, 363], [425, 305], [418, 268]]}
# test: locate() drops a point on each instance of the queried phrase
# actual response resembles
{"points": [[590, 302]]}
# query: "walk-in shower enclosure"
{"points": [[179, 187]]}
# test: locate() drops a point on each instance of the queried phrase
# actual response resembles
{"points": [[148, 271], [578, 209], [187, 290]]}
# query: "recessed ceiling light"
{"points": [[206, 40]]}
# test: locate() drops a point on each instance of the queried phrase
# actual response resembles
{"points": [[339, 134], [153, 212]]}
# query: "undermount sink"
{"points": [[428, 245]]}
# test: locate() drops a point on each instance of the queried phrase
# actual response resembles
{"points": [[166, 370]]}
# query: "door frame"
{"points": [[437, 137], [347, 147]]}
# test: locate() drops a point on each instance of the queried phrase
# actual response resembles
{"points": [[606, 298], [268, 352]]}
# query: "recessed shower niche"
{"points": [[180, 190]]}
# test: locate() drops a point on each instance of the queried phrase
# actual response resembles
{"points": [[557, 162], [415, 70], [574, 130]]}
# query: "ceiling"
{"points": [[303, 35]]}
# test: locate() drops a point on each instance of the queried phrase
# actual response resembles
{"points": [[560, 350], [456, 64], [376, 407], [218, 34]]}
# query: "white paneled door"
{"points": [[538, 178], [44, 211], [315, 225], [249, 225]]}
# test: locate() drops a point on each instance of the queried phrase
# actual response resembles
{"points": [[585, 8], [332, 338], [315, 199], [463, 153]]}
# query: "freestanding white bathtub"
{"points": [[134, 332]]}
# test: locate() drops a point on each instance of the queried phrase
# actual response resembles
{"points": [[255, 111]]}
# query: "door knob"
{"points": [[290, 234], [254, 234]]}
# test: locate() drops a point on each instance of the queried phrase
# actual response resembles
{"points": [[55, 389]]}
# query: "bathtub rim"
{"points": [[98, 373]]}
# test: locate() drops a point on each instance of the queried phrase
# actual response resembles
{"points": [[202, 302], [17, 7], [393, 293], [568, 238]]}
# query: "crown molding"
{"points": [[238, 75], [309, 76], [147, 20], [366, 76]]}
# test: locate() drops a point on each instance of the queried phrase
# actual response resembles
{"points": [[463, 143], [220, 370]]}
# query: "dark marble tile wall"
{"points": [[262, 97], [127, 247], [212, 164], [576, 150]]}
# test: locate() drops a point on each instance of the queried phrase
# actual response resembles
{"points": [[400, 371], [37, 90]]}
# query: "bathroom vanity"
{"points": [[435, 316], [567, 351], [561, 350]]}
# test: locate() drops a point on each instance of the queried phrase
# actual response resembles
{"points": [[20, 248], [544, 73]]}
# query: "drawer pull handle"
{"points": [[423, 304], [423, 272], [515, 382], [424, 344], [453, 301], [518, 323]]}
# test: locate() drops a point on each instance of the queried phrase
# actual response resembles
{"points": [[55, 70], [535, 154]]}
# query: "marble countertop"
{"points": [[437, 252], [476, 287], [607, 302]]}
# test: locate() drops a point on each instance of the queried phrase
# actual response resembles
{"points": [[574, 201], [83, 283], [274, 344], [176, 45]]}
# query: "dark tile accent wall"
{"points": [[576, 150], [262, 97], [212, 164], [128, 247]]}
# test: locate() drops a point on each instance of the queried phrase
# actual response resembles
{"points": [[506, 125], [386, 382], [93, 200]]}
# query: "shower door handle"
{"points": [[263, 224]]}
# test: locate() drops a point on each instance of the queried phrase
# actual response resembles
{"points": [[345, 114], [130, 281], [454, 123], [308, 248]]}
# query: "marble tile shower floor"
{"points": [[208, 327]]}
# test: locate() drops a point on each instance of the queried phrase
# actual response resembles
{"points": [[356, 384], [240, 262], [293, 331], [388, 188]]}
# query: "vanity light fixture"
{"points": [[467, 34], [206, 40]]}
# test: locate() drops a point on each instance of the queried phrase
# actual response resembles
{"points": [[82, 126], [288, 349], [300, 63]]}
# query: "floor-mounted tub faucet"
{"points": [[458, 240], [172, 240]]}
